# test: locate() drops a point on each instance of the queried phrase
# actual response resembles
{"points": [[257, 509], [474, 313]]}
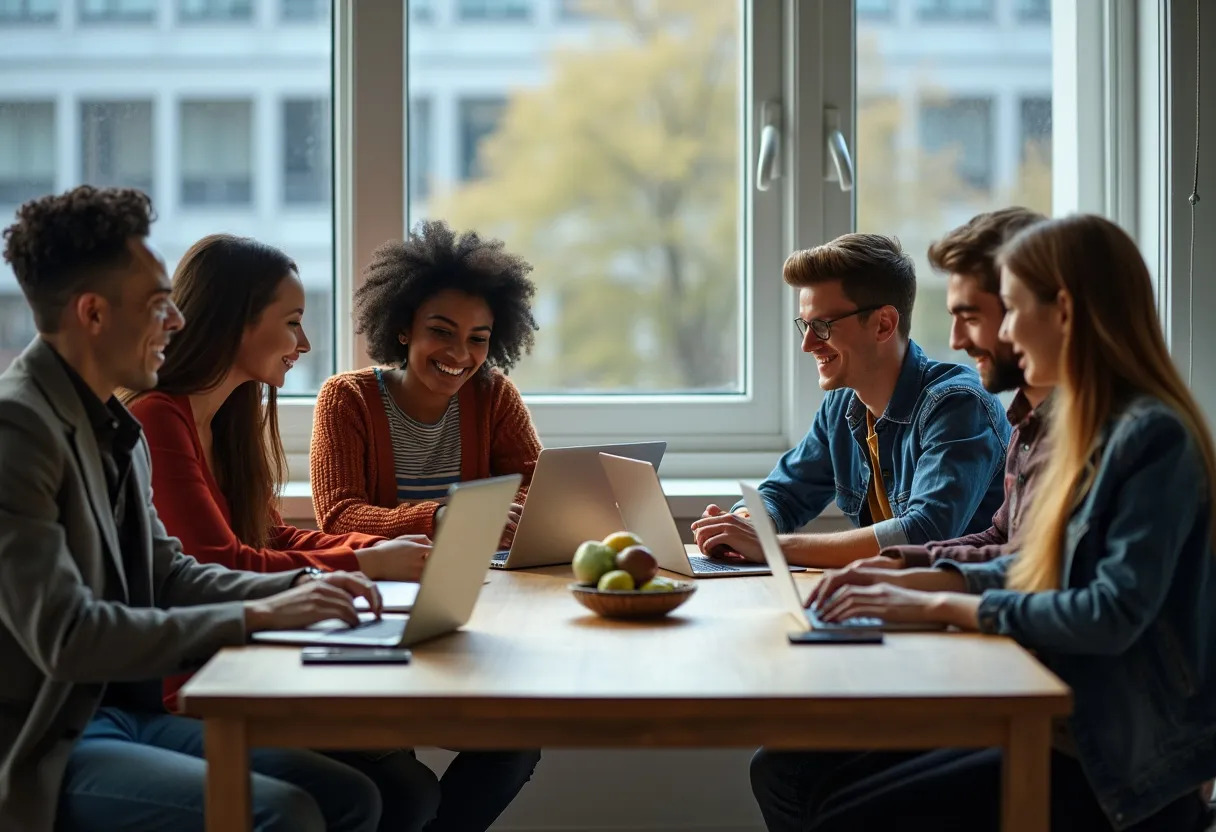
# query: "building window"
{"points": [[1036, 129], [962, 126], [305, 10], [29, 11], [214, 10], [116, 144], [419, 149], [875, 9], [27, 150], [121, 11], [954, 9], [1034, 11], [217, 153], [306, 151], [497, 10], [479, 117], [422, 11]]}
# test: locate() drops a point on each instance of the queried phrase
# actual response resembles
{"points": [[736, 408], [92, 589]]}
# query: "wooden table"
{"points": [[535, 669]]}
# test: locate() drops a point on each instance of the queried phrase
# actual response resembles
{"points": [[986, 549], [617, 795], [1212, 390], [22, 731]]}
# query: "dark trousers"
{"points": [[474, 790], [937, 791]]}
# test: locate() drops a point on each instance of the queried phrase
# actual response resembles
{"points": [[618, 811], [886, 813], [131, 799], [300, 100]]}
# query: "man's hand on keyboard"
{"points": [[330, 595], [718, 533]]}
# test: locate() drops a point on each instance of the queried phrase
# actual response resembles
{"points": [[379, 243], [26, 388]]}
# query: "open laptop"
{"points": [[806, 619], [569, 501], [451, 578], [643, 506]]}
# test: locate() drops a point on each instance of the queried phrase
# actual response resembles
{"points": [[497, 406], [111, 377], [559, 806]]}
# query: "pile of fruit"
{"points": [[619, 562]]}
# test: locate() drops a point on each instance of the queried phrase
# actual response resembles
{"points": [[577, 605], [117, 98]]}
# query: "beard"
{"points": [[1003, 373]]}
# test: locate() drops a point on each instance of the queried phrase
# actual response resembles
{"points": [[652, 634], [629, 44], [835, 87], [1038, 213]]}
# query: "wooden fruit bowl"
{"points": [[632, 603]]}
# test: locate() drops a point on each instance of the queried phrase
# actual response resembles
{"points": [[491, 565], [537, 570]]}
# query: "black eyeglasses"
{"points": [[823, 328]]}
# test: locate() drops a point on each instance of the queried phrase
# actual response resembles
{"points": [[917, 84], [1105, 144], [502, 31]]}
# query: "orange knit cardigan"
{"points": [[354, 484]]}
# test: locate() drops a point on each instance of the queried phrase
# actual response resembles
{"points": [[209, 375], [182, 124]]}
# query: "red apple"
{"points": [[638, 562]]}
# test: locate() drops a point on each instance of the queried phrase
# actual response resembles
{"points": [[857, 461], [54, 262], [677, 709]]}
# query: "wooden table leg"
{"points": [[228, 801], [1026, 776]]}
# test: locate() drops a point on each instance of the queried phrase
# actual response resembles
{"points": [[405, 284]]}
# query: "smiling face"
{"points": [[132, 329], [1036, 329], [851, 347], [273, 343], [975, 327], [448, 342]]}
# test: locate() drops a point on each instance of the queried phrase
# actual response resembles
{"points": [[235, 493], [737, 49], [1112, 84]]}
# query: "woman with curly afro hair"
{"points": [[446, 315]]}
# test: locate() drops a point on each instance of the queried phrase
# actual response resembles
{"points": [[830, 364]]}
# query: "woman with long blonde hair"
{"points": [[1112, 584]]}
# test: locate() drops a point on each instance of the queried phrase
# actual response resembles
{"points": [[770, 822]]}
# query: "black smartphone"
{"points": [[355, 655], [836, 637]]}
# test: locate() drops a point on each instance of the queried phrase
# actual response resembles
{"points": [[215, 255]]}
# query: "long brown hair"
{"points": [[1113, 349], [222, 285]]}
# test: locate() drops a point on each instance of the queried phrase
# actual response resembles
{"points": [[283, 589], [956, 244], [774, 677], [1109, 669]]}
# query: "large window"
{"points": [[306, 151], [479, 119], [217, 153], [116, 144], [945, 129], [28, 11], [27, 150]]}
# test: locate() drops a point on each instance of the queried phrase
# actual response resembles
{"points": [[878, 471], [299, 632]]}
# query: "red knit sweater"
{"points": [[354, 484], [193, 509]]}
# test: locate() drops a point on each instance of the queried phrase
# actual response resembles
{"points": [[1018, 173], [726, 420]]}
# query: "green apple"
{"points": [[616, 579], [659, 584], [591, 560]]}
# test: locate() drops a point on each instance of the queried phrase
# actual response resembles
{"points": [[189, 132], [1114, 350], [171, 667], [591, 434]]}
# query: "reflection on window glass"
{"points": [[27, 150], [28, 11], [116, 144], [306, 151], [227, 127], [948, 127], [609, 155], [217, 153]]}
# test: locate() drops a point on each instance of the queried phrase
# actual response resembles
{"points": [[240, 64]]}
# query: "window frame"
{"points": [[800, 38]]}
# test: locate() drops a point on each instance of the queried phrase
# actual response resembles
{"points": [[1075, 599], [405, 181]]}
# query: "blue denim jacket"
{"points": [[942, 444], [1133, 630]]}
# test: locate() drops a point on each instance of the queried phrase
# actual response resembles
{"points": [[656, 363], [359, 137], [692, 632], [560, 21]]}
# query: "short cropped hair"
{"points": [[433, 258], [66, 244], [872, 269], [971, 248]]}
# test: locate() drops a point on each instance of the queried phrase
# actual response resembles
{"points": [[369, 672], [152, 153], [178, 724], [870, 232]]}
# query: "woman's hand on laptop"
{"points": [[900, 605], [398, 559], [508, 533], [718, 530], [860, 574], [327, 596]]}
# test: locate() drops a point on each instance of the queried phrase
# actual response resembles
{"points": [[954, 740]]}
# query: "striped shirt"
{"points": [[426, 458]]}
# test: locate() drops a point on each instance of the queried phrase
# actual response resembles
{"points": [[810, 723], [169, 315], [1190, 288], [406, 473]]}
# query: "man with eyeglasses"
{"points": [[911, 449]]}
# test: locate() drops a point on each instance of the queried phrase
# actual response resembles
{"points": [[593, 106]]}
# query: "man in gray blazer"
{"points": [[97, 602]]}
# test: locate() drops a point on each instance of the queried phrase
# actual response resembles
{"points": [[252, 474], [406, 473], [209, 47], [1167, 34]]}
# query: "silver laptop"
{"points": [[806, 619], [569, 501], [451, 579], [644, 511]]}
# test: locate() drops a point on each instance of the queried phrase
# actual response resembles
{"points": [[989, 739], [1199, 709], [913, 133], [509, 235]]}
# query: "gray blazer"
{"points": [[67, 630]]}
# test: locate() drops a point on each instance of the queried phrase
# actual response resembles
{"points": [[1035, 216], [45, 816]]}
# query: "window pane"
{"points": [[948, 127], [28, 11], [116, 144], [226, 134], [217, 153], [306, 10], [419, 148], [306, 151], [494, 9], [609, 155], [92, 11], [215, 9], [27, 150]]}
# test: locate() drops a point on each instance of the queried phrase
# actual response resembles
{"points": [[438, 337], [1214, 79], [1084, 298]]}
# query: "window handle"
{"points": [[838, 166], [768, 164]]}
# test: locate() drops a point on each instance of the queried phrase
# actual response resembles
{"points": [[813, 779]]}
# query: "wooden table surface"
{"points": [[533, 668]]}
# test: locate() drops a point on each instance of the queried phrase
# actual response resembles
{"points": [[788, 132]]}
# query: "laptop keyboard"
{"points": [[703, 566], [500, 557], [383, 628], [857, 623]]}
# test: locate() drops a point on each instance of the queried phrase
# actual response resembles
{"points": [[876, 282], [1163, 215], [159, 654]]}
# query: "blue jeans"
{"points": [[145, 771], [475, 789]]}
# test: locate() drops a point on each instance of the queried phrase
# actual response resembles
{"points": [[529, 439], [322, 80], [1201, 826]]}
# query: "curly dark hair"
{"points": [[433, 258], [63, 244]]}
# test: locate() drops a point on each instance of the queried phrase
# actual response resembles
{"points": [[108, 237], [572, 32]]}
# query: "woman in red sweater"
{"points": [[446, 316], [217, 464]]}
